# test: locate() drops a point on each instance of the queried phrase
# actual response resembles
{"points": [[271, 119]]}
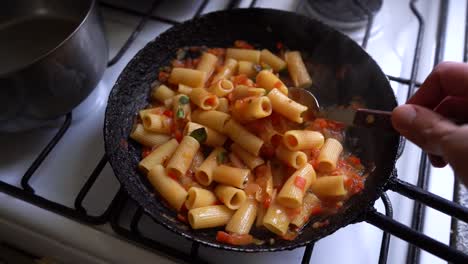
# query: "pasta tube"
{"points": [[250, 109], [329, 186], [212, 119], [223, 105], [184, 89], [167, 187], [148, 138], [247, 68], [190, 77], [162, 93], [266, 79], [229, 68], [183, 156], [303, 139], [243, 55], [295, 159], [260, 214], [199, 197], [204, 99], [222, 87], [250, 160], [157, 123], [158, 156], [275, 62], [209, 216], [204, 174], [243, 91], [232, 197], [243, 137], [297, 69], [292, 193], [242, 220], [231, 176], [329, 154], [286, 107], [213, 138], [154, 110], [276, 219], [207, 64], [309, 204]]}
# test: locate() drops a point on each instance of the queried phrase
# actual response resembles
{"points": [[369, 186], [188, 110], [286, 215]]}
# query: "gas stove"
{"points": [[60, 198]]}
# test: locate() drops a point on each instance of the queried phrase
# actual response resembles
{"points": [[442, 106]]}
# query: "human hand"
{"points": [[425, 119]]}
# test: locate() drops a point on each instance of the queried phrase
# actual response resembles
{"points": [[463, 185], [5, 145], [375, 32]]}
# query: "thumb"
{"points": [[423, 127]]}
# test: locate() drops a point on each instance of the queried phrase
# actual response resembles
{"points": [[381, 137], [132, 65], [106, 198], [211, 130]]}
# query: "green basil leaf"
{"points": [[184, 100], [180, 113], [199, 134], [221, 157]]}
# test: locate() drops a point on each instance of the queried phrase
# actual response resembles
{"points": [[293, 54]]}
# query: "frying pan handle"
{"points": [[441, 204], [416, 238]]}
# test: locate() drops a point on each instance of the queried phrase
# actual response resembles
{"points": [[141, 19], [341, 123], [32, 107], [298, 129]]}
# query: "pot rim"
{"points": [[91, 7]]}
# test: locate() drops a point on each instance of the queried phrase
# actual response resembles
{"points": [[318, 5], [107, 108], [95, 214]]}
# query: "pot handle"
{"points": [[441, 204], [416, 238]]}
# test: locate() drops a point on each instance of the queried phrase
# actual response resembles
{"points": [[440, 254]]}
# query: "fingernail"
{"points": [[403, 117]]}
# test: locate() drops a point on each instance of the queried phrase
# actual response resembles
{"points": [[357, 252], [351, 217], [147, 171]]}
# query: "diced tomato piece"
{"points": [[234, 239], [168, 113], [182, 218], [293, 212], [267, 202], [278, 84], [300, 182], [172, 175], [163, 76], [217, 202], [240, 79], [178, 135], [145, 152], [322, 123], [211, 100], [316, 210], [354, 160], [241, 44], [279, 45]]}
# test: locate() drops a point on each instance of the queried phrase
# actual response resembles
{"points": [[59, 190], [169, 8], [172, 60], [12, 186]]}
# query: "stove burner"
{"points": [[343, 14]]}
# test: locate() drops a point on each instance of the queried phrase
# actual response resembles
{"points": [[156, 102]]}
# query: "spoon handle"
{"points": [[374, 119]]}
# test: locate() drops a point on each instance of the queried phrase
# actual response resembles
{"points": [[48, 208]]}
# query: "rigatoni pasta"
{"points": [[232, 197], [224, 144], [297, 69], [169, 188], [160, 155], [209, 216]]}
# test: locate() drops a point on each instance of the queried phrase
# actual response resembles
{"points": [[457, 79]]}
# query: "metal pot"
{"points": [[52, 55]]}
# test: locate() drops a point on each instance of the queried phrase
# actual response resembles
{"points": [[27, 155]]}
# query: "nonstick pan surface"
{"points": [[341, 72]]}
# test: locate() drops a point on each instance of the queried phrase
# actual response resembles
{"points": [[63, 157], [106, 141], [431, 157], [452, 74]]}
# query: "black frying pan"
{"points": [[340, 69]]}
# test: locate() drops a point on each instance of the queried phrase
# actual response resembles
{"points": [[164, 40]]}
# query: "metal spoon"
{"points": [[358, 117]]}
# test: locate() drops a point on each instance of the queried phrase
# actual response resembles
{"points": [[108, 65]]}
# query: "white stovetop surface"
{"points": [[72, 161]]}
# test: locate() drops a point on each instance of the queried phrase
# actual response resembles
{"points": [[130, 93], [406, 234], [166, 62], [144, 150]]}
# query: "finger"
{"points": [[422, 126], [447, 79]]}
